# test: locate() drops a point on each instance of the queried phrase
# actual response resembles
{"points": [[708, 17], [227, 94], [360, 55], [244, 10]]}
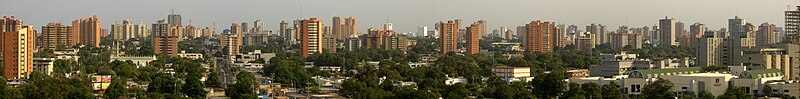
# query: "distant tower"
{"points": [[175, 19], [793, 26], [667, 32]]}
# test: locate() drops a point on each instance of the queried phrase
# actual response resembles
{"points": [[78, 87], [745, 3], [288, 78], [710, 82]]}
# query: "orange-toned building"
{"points": [[89, 31], [164, 42], [8, 24], [448, 38], [18, 46], [55, 36], [473, 38], [539, 36], [311, 36]]}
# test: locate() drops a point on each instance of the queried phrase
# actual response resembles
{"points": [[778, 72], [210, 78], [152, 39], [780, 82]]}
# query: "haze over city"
{"points": [[406, 15], [400, 49]]}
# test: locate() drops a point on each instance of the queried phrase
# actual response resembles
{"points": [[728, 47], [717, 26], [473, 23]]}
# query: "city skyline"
{"points": [[406, 15]]}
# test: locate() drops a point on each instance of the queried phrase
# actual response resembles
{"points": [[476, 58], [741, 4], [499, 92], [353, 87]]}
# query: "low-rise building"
{"points": [[622, 63], [513, 74], [791, 88], [43, 65], [578, 73], [332, 69], [140, 61], [183, 54], [754, 80], [714, 83], [247, 59]]}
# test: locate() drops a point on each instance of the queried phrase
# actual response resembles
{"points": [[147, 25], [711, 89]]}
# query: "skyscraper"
{"points": [[735, 25], [473, 38], [667, 32], [599, 32], [175, 19], [696, 32], [482, 28], [337, 30], [710, 50], [422, 31], [351, 26], [311, 36], [18, 45], [767, 34], [140, 30], [585, 42], [258, 27], [680, 30], [538, 37], [284, 30], [89, 30], [122, 31], [448, 37], [793, 25], [57, 36], [245, 28]]}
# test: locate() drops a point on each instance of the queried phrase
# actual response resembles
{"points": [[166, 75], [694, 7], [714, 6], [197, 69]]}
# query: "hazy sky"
{"points": [[406, 15]]}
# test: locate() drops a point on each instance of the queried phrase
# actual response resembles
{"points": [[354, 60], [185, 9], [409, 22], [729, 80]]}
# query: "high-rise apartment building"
{"points": [[350, 26], [448, 37], [311, 36], [191, 31], [696, 32], [175, 19], [666, 32], [473, 38], [122, 31], [481, 28], [599, 31], [140, 30], [284, 31], [422, 31], [18, 47], [164, 42], [680, 29], [258, 27], [585, 42], [792, 25], [620, 40], [207, 32], [710, 50], [89, 30], [337, 30], [56, 36], [767, 34], [538, 37]]}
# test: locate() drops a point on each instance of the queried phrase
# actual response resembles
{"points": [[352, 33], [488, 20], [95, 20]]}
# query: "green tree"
{"points": [[194, 88], [705, 95], [163, 83], [213, 79], [552, 82], [766, 91], [574, 92], [610, 91], [242, 89], [735, 93], [117, 89], [659, 89], [593, 91]]}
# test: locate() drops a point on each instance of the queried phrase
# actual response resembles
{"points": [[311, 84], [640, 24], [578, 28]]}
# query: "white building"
{"points": [[183, 54], [246, 59], [513, 74], [140, 61], [43, 65]]}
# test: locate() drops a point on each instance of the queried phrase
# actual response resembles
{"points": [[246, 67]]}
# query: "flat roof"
{"points": [[706, 75]]}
